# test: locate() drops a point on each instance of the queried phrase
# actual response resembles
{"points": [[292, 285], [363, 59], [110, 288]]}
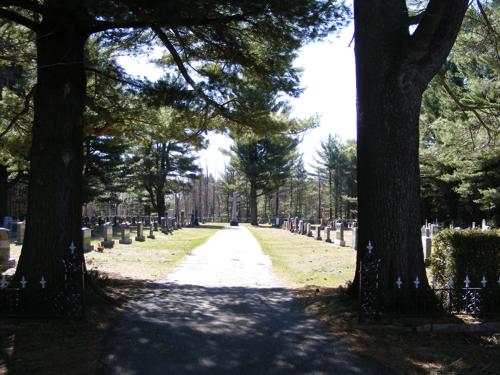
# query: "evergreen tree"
{"points": [[460, 128], [265, 163], [217, 32]]}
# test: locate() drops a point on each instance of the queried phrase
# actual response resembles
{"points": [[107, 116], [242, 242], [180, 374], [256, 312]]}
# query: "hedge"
{"points": [[460, 253]]}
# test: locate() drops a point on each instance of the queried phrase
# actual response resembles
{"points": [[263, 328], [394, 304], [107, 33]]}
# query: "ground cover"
{"points": [[305, 263], [32, 346]]}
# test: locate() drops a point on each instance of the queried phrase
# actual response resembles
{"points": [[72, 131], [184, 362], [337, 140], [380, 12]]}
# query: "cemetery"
{"points": [[249, 188]]}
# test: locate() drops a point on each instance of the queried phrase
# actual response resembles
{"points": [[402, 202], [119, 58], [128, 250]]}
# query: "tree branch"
{"points": [[464, 108], [486, 19], [185, 74], [174, 22], [17, 18], [117, 79], [435, 36], [18, 115], [25, 4]]}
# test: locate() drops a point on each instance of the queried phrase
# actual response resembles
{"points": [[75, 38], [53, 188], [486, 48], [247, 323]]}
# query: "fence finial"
{"points": [[43, 282], [399, 282], [416, 282], [369, 247]]}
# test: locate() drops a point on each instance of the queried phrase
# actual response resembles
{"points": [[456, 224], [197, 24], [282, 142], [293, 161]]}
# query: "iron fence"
{"points": [[40, 298], [455, 297]]}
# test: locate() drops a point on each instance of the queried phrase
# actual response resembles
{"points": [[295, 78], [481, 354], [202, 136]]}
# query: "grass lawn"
{"points": [[303, 261], [33, 346], [151, 259], [316, 269]]}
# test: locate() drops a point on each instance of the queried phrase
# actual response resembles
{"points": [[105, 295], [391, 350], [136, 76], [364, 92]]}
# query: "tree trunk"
{"points": [[319, 197], [277, 204], [392, 70], [330, 193], [160, 203], [3, 192], [253, 204], [56, 158]]}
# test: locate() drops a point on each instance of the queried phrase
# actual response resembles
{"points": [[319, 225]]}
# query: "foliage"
{"points": [[460, 130], [337, 165], [266, 162], [460, 253]]}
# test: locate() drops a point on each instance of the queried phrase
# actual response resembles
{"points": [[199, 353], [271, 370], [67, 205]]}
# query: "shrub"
{"points": [[460, 253]]}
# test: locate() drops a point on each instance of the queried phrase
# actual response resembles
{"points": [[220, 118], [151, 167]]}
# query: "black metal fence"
{"points": [[455, 297], [39, 298]]}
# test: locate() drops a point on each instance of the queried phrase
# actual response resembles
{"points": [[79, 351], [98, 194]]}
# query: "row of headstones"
{"points": [[430, 230], [131, 220], [301, 227], [167, 227]]}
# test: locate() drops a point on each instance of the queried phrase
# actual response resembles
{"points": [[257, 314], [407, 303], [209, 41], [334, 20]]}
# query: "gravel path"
{"points": [[222, 311]]}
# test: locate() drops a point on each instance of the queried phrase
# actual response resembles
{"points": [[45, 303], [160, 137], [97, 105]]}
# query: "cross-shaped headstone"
{"points": [[24, 282], [3, 283], [484, 281], [43, 282], [399, 282], [72, 247], [416, 282], [467, 281], [370, 247]]}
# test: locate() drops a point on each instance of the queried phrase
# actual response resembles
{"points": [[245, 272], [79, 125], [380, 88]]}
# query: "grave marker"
{"points": [[140, 232], [125, 239], [5, 260], [339, 234], [108, 242], [87, 237]]}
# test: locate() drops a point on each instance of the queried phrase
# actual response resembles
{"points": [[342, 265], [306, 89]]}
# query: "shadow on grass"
{"points": [[58, 346], [210, 226], [394, 342]]}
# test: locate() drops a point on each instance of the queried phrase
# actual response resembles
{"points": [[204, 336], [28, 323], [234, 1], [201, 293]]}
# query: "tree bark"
{"points": [[253, 204], [56, 158], [393, 69], [4, 175]]}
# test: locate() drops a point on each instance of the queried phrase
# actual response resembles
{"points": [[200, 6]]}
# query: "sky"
{"points": [[329, 84]]}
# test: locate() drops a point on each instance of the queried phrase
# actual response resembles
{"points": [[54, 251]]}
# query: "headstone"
{"points": [[107, 231], [339, 234], [484, 226], [354, 242], [151, 234], [21, 226], [87, 237], [140, 232], [427, 245], [473, 225], [318, 233], [277, 222], [327, 234], [125, 238], [308, 230], [5, 260]]}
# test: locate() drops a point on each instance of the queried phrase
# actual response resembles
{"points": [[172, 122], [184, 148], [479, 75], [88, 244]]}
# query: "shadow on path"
{"points": [[186, 329]]}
